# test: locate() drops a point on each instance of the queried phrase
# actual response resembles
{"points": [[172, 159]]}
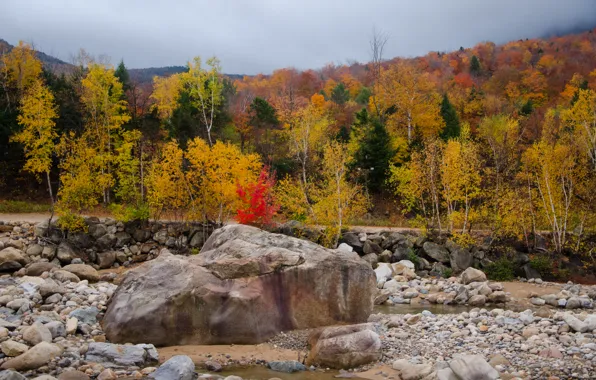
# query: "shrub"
{"points": [[464, 240], [71, 222], [127, 213], [542, 264], [413, 257], [501, 270], [194, 251], [259, 205], [448, 272]]}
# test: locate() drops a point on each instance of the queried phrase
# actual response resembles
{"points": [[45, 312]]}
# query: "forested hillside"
{"points": [[495, 137]]}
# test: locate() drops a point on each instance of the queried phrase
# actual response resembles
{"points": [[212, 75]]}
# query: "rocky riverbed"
{"points": [[51, 326]]}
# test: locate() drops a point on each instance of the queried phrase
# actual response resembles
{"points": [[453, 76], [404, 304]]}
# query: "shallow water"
{"points": [[263, 373], [417, 308]]}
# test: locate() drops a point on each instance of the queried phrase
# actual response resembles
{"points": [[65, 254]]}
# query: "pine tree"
{"points": [[449, 114], [372, 153], [475, 66], [340, 94], [122, 74]]}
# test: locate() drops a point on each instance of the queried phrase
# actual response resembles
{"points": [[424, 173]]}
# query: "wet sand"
{"points": [[237, 353]]}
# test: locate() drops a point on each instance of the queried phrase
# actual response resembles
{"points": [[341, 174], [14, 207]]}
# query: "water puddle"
{"points": [[264, 373], [418, 308]]}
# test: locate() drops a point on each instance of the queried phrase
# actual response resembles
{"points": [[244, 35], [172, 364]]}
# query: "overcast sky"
{"points": [[252, 36]]}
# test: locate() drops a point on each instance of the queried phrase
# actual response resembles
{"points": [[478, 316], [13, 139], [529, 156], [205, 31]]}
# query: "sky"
{"points": [[254, 36]]}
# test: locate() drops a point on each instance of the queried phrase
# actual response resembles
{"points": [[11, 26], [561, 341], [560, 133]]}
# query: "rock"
{"points": [[370, 247], [446, 374], [37, 268], [37, 333], [66, 253], [34, 250], [115, 355], [469, 367], [407, 264], [79, 239], [12, 259], [86, 315], [107, 374], [372, 259], [573, 303], [35, 357], [122, 239], [530, 272], [289, 366], [477, 300], [45, 377], [11, 348], [460, 260], [436, 251], [344, 346], [41, 228], [83, 271], [383, 271], [537, 301], [97, 230], [56, 329], [49, 252], [574, 323], [141, 236], [213, 366], [71, 325], [106, 259], [65, 276], [353, 241], [241, 271], [438, 269], [73, 375], [11, 375], [179, 367], [344, 248], [106, 242], [411, 371], [551, 352], [498, 297], [472, 275], [544, 312]]}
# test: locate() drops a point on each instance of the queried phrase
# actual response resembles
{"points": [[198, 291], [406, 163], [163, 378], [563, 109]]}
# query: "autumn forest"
{"points": [[498, 138]]}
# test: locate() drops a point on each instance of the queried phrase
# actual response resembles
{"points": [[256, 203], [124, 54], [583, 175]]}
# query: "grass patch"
{"points": [[14, 207]]}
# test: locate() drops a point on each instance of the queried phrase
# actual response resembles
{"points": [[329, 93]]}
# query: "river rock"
{"points": [[344, 346], [73, 375], [250, 284], [37, 268], [288, 366], [179, 367], [460, 259], [106, 259], [469, 367], [34, 358], [66, 253], [65, 276], [34, 250], [411, 371], [12, 259], [472, 275], [436, 251], [11, 375], [37, 333], [86, 315], [83, 271], [11, 348], [115, 355], [56, 328]]}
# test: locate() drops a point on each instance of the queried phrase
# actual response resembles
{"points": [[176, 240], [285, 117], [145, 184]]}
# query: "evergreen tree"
{"points": [[475, 66], [340, 94], [122, 74], [449, 114], [373, 151]]}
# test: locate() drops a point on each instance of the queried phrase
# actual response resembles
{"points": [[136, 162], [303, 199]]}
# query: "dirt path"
{"points": [[34, 217]]}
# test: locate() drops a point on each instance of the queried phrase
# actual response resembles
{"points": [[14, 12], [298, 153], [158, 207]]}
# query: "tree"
{"points": [[122, 74], [475, 66], [372, 151], [37, 115], [340, 94], [336, 200], [410, 100], [450, 119], [19, 69], [581, 117], [166, 93], [105, 115], [460, 176], [205, 88]]}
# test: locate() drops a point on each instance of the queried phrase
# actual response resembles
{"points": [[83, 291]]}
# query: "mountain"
{"points": [[142, 75]]}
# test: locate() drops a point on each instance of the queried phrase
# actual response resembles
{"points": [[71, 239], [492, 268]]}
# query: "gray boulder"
{"points": [[97, 230], [353, 241], [37, 268], [460, 259], [11, 375], [106, 259], [472, 275], [56, 328], [34, 250], [436, 251], [37, 333], [86, 315], [66, 253], [289, 366], [122, 239], [241, 271], [107, 241], [471, 367], [12, 259], [83, 271], [179, 367]]}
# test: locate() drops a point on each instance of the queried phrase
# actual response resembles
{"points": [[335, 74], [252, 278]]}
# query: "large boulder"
{"points": [[83, 271], [472, 275], [344, 346], [461, 259], [436, 251], [179, 367], [472, 367], [115, 355], [245, 286]]}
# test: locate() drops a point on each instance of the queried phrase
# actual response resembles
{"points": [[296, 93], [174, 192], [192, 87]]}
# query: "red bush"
{"points": [[259, 202]]}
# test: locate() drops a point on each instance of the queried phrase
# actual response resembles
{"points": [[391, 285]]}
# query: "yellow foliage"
{"points": [[20, 67], [213, 176], [166, 92], [166, 181], [37, 115]]}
